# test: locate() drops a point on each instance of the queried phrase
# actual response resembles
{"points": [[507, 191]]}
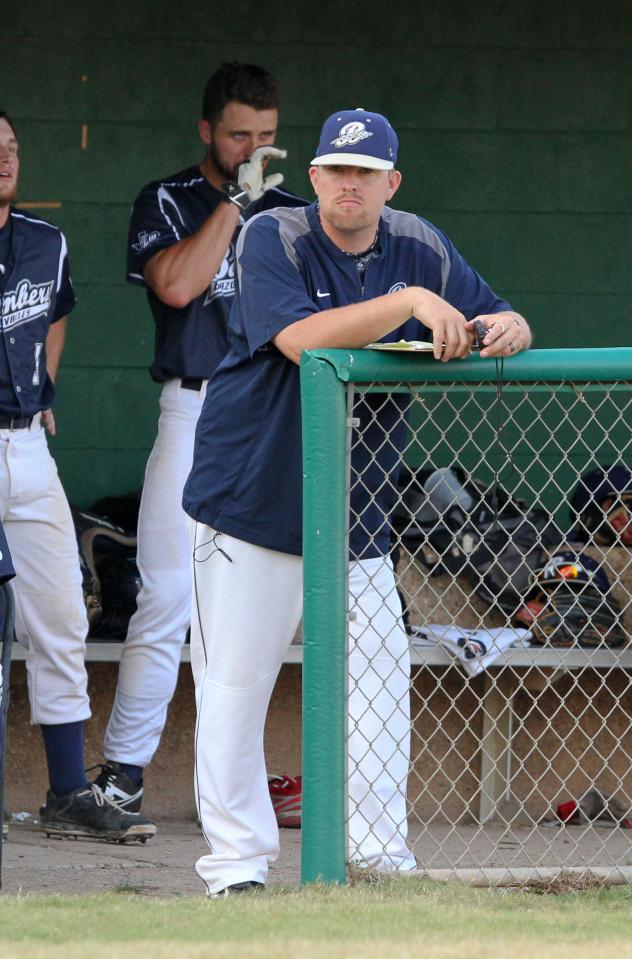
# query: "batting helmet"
{"points": [[598, 502], [120, 583], [570, 604], [573, 569]]}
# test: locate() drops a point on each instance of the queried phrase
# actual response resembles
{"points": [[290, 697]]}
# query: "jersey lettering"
{"points": [[25, 303], [223, 283], [145, 239]]}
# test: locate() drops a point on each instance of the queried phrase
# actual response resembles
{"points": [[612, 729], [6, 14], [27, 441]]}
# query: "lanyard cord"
{"points": [[500, 440]]}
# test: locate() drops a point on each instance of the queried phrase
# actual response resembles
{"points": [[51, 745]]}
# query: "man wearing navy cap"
{"points": [[343, 272]]}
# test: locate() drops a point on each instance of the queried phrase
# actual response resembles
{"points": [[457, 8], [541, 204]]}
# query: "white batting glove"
{"points": [[250, 175]]}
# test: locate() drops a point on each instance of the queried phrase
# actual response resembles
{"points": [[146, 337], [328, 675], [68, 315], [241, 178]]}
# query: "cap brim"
{"points": [[352, 159]]}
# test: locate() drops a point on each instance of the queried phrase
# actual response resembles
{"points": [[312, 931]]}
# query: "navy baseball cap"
{"points": [[586, 504], [600, 484], [357, 138]]}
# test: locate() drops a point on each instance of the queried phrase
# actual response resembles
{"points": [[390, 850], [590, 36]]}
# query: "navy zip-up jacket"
{"points": [[246, 478]]}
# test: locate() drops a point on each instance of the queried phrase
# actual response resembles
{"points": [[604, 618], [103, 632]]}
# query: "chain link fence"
{"points": [[488, 729]]}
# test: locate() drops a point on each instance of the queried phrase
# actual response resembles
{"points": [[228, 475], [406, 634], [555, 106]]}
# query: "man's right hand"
{"points": [[250, 175], [450, 339]]}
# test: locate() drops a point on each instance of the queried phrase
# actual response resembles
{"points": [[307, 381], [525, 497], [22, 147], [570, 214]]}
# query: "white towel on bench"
{"points": [[476, 649]]}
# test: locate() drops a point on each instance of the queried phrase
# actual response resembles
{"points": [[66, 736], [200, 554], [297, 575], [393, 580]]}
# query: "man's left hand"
{"points": [[250, 175], [48, 422], [507, 334]]}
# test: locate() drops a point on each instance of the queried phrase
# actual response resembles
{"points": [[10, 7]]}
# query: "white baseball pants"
{"points": [[247, 604], [50, 618], [150, 659]]}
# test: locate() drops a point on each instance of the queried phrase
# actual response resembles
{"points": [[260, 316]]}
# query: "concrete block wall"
{"points": [[515, 131]]}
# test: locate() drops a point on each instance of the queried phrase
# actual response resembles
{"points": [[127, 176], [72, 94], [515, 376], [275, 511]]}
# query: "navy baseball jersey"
{"points": [[36, 291], [189, 342], [246, 478]]}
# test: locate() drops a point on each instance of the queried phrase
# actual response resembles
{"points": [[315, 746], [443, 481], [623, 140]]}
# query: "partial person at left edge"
{"points": [[7, 571], [50, 615]]}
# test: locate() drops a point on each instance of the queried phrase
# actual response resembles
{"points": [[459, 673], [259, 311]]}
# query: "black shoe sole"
{"points": [[238, 889], [63, 830]]}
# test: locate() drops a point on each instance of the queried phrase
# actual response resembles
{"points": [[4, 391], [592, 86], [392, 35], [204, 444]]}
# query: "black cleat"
{"points": [[237, 887], [117, 786], [86, 813]]}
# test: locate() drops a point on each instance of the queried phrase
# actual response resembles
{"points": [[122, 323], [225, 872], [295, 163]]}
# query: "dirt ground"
{"points": [[163, 866]]}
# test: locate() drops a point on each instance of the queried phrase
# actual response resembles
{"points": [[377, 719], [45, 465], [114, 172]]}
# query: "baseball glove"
{"points": [[565, 617]]}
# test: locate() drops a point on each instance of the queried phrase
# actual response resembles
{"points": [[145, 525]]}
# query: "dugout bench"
{"points": [[497, 759]]}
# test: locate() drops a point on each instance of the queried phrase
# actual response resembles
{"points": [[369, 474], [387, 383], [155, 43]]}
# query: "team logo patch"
{"points": [[223, 283], [398, 286], [145, 239], [351, 133], [25, 303]]}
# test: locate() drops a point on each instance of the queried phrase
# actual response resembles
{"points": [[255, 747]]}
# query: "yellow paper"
{"points": [[416, 346]]}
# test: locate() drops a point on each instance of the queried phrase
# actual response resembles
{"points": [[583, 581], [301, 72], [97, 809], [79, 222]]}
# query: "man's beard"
{"points": [[359, 221], [7, 199], [219, 166]]}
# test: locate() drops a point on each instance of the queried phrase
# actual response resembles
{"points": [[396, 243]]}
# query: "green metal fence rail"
{"points": [[324, 378]]}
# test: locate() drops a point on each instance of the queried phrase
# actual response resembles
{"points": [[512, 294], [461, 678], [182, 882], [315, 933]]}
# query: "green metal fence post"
{"points": [[324, 376], [324, 622]]}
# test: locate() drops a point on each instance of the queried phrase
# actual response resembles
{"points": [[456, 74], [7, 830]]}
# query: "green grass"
{"points": [[402, 918], [394, 918]]}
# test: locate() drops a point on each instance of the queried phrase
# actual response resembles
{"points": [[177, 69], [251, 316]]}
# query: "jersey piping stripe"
{"points": [[63, 253], [32, 219], [165, 197], [188, 183]]}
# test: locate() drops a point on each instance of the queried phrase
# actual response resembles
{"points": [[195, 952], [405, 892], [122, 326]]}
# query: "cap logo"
{"points": [[351, 133], [568, 572], [560, 568]]}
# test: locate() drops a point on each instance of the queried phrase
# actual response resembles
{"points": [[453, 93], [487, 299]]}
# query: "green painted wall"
{"points": [[515, 129]]}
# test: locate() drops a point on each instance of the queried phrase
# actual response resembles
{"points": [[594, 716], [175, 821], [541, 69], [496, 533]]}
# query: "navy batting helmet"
{"points": [[573, 569]]}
